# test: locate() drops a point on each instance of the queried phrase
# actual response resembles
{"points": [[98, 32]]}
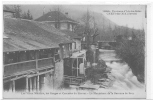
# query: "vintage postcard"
{"points": [[74, 51]]}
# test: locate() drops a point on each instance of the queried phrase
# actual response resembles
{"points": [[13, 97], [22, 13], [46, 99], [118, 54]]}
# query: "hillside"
{"points": [[106, 28]]}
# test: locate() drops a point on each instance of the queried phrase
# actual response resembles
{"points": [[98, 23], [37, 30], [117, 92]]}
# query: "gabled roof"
{"points": [[55, 16], [8, 9], [30, 35]]}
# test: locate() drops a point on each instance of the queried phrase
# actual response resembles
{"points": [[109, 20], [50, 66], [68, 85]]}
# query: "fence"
{"points": [[20, 67]]}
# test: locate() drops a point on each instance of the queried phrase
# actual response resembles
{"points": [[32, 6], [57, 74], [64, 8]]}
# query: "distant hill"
{"points": [[102, 23], [106, 28]]}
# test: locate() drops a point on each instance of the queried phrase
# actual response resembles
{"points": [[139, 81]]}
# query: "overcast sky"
{"points": [[136, 20]]}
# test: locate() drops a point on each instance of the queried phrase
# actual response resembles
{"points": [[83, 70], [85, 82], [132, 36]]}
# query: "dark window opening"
{"points": [[20, 84]]}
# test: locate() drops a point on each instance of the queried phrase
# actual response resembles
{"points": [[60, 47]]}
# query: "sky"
{"points": [[135, 18]]}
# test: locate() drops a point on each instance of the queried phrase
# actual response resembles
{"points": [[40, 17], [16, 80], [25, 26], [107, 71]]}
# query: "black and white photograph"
{"points": [[74, 51]]}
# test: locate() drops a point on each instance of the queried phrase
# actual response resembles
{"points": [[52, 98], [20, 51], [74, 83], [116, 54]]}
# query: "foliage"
{"points": [[132, 52], [18, 11], [94, 73], [27, 15]]}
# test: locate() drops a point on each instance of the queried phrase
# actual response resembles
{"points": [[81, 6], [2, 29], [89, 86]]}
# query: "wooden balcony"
{"points": [[23, 67]]}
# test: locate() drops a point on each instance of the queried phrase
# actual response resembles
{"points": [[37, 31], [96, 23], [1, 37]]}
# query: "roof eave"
{"points": [[8, 11], [62, 21]]}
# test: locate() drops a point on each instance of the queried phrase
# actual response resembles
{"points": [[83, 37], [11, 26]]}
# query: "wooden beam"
{"points": [[77, 66], [13, 85], [27, 85], [34, 83], [40, 73], [13, 79], [37, 57], [30, 83], [38, 83]]}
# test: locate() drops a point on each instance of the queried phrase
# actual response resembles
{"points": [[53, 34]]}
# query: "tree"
{"points": [[90, 28], [94, 73], [27, 15], [132, 52], [18, 11], [24, 15]]}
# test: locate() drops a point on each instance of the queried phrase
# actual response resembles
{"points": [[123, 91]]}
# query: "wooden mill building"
{"points": [[30, 51]]}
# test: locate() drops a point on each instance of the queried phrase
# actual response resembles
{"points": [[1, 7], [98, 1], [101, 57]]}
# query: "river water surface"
{"points": [[124, 79]]}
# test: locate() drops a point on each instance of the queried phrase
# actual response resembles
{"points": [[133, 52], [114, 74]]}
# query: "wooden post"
{"points": [[38, 83], [10, 87], [30, 79], [42, 81], [72, 66], [14, 86], [37, 57], [52, 78], [77, 66], [34, 83], [27, 84]]}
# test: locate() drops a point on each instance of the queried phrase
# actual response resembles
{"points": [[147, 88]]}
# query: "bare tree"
{"points": [[90, 30]]}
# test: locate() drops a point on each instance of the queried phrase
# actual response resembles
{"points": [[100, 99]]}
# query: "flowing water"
{"points": [[124, 79]]}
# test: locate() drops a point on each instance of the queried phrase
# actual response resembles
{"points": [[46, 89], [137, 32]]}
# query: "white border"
{"points": [[149, 36]]}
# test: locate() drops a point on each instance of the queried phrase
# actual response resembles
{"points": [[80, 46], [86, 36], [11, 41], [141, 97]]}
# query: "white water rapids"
{"points": [[124, 79]]}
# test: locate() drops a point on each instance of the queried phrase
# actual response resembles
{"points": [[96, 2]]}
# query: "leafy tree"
{"points": [[132, 52], [94, 73], [18, 11], [24, 15], [27, 15]]}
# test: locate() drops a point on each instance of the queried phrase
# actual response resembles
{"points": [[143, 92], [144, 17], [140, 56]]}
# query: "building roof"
{"points": [[20, 34], [55, 16], [8, 9]]}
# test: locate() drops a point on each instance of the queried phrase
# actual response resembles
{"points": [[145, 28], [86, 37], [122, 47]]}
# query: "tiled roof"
{"points": [[8, 9], [30, 35]]}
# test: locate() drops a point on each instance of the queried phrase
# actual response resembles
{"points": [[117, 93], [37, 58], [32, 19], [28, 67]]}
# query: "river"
{"points": [[124, 79]]}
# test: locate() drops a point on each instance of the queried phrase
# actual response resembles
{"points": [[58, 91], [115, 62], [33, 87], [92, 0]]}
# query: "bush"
{"points": [[94, 73]]}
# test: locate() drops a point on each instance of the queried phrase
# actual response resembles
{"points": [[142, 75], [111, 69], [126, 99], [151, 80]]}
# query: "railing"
{"points": [[74, 80], [14, 68], [45, 62]]}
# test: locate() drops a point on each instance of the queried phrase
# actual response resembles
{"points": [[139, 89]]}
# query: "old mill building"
{"points": [[30, 52]]}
